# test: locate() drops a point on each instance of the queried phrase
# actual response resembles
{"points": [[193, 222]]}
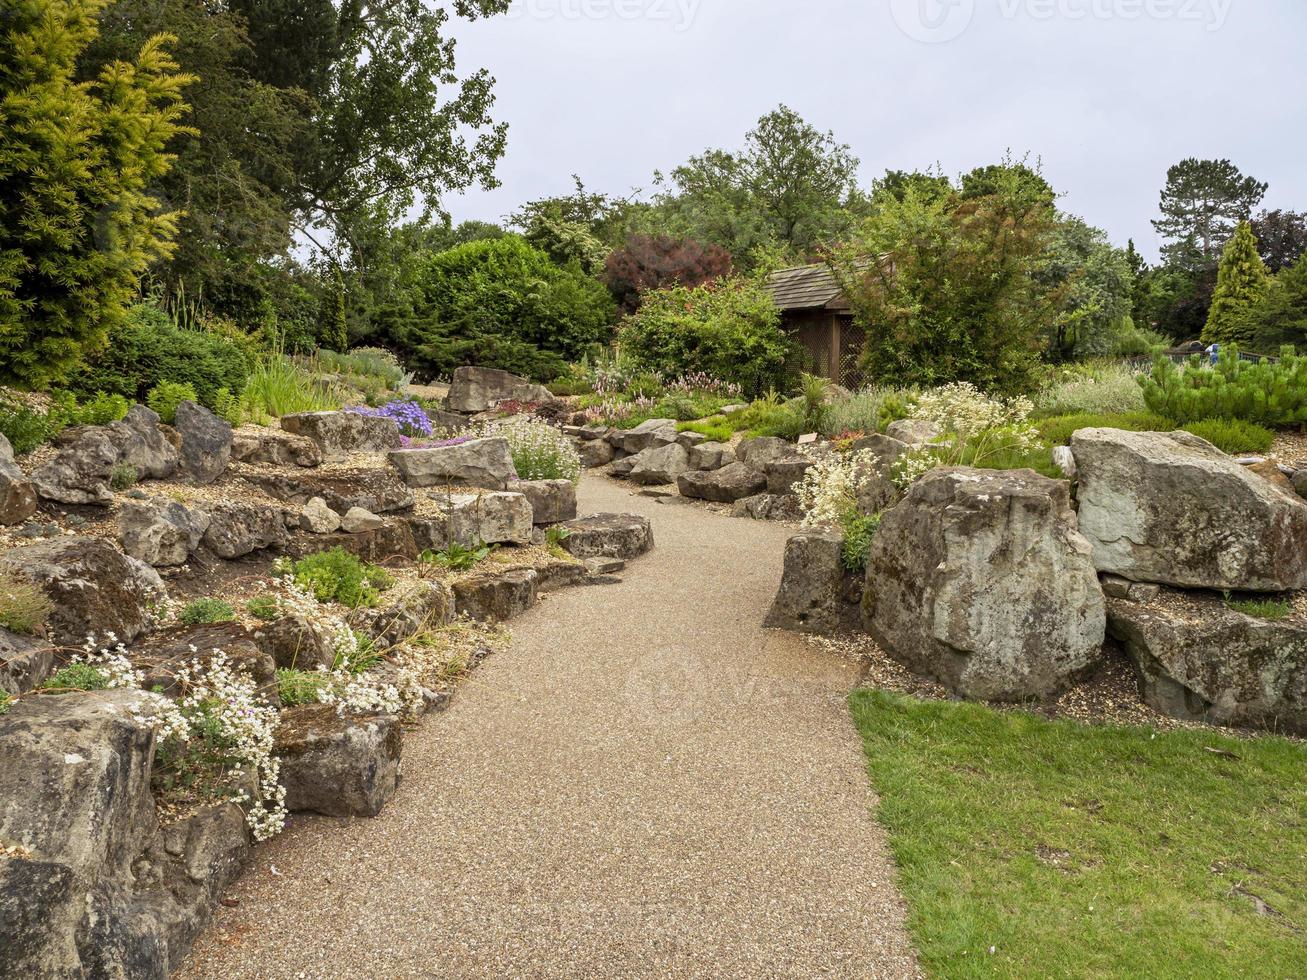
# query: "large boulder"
{"points": [[237, 529], [1213, 664], [338, 766], [95, 588], [295, 642], [656, 467], [161, 532], [758, 452], [784, 473], [426, 606], [876, 489], [260, 445], [473, 519], [478, 389], [88, 455], [206, 442], [485, 463], [596, 453], [652, 434], [25, 662], [817, 594], [377, 490], [980, 579], [496, 597], [711, 456], [163, 655], [552, 501], [769, 507], [1172, 508], [725, 486], [341, 433], [392, 540], [17, 493], [623, 536]]}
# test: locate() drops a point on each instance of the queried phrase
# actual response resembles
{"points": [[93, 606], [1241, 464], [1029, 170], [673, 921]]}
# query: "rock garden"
{"points": [[205, 630]]}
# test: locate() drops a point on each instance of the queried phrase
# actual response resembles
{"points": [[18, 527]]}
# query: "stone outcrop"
{"points": [[473, 519], [657, 467], [596, 453], [817, 593], [711, 456], [236, 530], [341, 433], [1218, 666], [17, 493], [260, 445], [653, 434], [426, 605], [337, 766], [81, 471], [552, 501], [161, 532], [914, 432], [296, 643], [25, 662], [758, 452], [769, 507], [496, 597], [393, 539], [623, 536], [784, 473], [726, 485], [206, 442], [1172, 508], [876, 489], [980, 579], [485, 463], [477, 389], [377, 490], [94, 587]]}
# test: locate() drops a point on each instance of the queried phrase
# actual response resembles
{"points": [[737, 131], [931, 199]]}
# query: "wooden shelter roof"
{"points": [[806, 287]]}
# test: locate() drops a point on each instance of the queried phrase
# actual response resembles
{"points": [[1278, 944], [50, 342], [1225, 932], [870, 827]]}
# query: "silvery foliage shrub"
{"points": [[974, 427], [540, 451]]}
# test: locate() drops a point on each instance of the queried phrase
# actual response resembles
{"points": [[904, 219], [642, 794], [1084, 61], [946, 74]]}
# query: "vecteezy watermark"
{"points": [[938, 21], [679, 13]]}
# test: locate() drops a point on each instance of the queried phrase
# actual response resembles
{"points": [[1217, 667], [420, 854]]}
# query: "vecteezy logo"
{"points": [[933, 21]]}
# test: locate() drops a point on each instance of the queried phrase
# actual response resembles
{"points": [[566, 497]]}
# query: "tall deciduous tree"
{"points": [[646, 263], [1202, 204], [78, 224], [1241, 286]]}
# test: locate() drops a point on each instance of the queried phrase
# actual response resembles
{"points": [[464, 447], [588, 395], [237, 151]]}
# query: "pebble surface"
{"points": [[645, 783]]}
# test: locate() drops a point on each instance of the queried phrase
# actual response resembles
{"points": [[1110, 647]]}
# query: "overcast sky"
{"points": [[1108, 93]]}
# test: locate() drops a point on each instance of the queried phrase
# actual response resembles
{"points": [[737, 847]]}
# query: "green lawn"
{"points": [[1084, 851]]}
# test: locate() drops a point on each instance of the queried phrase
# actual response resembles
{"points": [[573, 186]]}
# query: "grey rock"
{"points": [[17, 493], [621, 468], [473, 519], [604, 566], [318, 518], [378, 490], [294, 642], [980, 579], [653, 434], [25, 662], [274, 447], [424, 606], [552, 501], [161, 655], [95, 588], [206, 442], [769, 507], [555, 575], [337, 766], [358, 520], [1115, 587], [161, 533], [1222, 667], [392, 541], [711, 456], [656, 467], [483, 463], [81, 471], [1172, 508], [478, 389], [341, 433], [757, 453], [726, 485], [784, 473], [624, 536], [1300, 482], [691, 439], [817, 593], [595, 453], [914, 432], [236, 530], [496, 597], [143, 444]]}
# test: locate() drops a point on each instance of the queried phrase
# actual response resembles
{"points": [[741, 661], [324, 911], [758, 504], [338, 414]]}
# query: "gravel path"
{"points": [[646, 784]]}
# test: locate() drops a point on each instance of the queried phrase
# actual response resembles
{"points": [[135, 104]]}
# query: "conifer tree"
{"points": [[78, 225], [1241, 286], [1282, 317]]}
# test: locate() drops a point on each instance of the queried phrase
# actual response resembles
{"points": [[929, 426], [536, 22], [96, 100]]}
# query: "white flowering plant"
{"points": [[828, 496], [540, 451], [975, 430]]}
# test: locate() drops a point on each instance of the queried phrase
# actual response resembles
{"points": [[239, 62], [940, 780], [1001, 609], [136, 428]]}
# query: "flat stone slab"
{"points": [[623, 536], [485, 463]]}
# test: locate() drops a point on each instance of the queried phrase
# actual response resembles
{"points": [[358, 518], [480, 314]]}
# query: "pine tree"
{"points": [[1282, 317], [78, 226], [1241, 285]]}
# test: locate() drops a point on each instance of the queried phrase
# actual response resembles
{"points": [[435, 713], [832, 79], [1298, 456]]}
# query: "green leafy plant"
{"points": [[458, 558], [816, 397], [24, 607], [207, 610], [338, 576], [264, 607], [1233, 436], [296, 687], [166, 396], [6, 702], [554, 541], [228, 407], [23, 426], [858, 534], [124, 476], [1261, 608], [1267, 393], [1059, 429], [100, 409], [76, 677], [363, 658], [870, 410]]}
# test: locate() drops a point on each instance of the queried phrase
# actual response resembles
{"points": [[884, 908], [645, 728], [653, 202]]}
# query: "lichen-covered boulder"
{"points": [[1216, 665], [426, 605], [94, 587], [496, 597], [25, 662], [162, 655], [784, 473], [623, 536], [392, 540], [979, 579], [318, 518], [161, 532], [80, 472], [1172, 508], [656, 467], [769, 507], [338, 766], [652, 434], [817, 593], [294, 642], [341, 433], [552, 501], [17, 493], [260, 445], [596, 453], [763, 450], [474, 519], [477, 389], [876, 489], [206, 442], [725, 486], [237, 529], [711, 456], [485, 463], [378, 490]]}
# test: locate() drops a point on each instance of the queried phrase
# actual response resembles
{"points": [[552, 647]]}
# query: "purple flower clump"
{"points": [[410, 418]]}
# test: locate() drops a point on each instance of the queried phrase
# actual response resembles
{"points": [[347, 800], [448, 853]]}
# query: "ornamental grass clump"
{"points": [[539, 451], [1100, 389], [977, 430], [24, 608]]}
